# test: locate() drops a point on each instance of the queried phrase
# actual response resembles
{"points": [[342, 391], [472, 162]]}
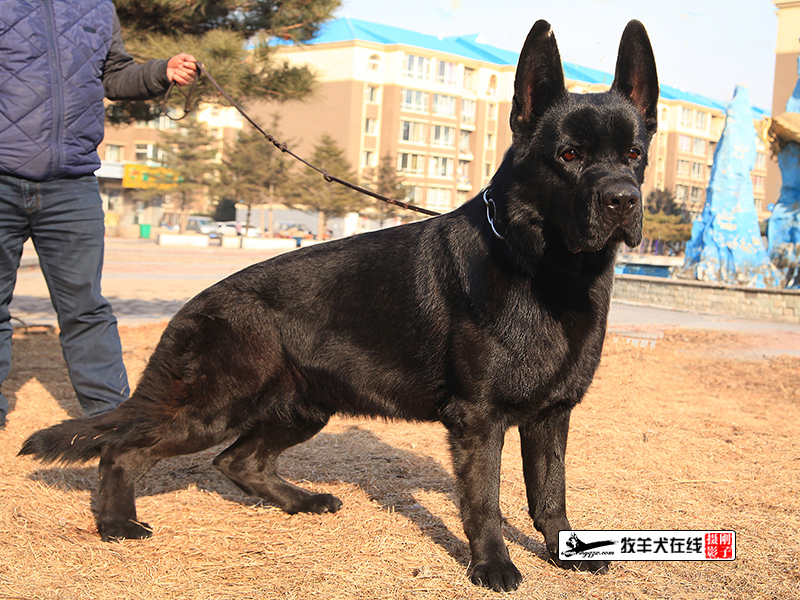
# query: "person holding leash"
{"points": [[58, 60]]}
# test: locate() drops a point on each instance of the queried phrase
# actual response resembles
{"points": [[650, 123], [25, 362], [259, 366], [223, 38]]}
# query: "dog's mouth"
{"points": [[628, 232]]}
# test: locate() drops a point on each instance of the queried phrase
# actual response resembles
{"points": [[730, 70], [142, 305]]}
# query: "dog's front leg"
{"points": [[476, 449], [544, 444]]}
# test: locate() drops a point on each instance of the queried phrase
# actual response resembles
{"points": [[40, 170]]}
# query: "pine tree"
{"points": [[255, 171], [232, 40], [309, 191], [189, 152], [662, 201], [385, 181]]}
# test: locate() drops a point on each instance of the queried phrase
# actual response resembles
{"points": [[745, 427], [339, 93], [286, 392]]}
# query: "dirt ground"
{"points": [[686, 435]]}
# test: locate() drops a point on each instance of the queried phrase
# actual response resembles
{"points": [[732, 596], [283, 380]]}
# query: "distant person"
{"points": [[58, 59]]}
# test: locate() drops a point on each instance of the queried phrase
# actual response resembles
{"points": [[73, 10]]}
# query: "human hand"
{"points": [[181, 69]]}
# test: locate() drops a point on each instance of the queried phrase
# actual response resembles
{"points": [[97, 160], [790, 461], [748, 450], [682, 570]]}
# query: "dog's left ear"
{"points": [[635, 76]]}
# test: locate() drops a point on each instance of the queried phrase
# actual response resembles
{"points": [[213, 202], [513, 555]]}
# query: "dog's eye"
{"points": [[569, 155], [634, 153]]}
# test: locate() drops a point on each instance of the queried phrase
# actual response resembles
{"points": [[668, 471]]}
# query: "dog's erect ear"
{"points": [[540, 77], [635, 76]]}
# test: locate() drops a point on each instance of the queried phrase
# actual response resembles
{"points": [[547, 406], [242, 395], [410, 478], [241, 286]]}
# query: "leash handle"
{"points": [[188, 107]]}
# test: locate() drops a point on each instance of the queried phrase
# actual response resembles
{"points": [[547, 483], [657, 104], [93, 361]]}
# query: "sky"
{"points": [[701, 46]]}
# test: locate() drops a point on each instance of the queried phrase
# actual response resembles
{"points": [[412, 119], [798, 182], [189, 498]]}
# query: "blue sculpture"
{"points": [[783, 229], [726, 244]]}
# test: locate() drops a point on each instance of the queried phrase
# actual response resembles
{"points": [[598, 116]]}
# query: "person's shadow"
{"points": [[388, 475], [36, 354]]}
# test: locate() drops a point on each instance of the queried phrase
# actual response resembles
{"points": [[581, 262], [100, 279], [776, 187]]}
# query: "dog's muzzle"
{"points": [[622, 204], [620, 201]]}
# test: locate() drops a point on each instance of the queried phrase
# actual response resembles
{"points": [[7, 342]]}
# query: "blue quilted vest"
{"points": [[51, 92]]}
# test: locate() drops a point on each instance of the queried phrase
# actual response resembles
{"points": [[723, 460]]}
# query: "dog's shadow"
{"points": [[388, 475]]}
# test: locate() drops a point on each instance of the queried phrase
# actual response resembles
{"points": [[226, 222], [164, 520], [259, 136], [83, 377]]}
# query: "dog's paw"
{"points": [[319, 504], [128, 530], [501, 576], [599, 567]]}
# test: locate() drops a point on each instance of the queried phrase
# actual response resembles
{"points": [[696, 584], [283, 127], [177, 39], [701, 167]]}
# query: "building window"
{"points": [[112, 198], [685, 143], [414, 101], [411, 131], [492, 111], [368, 158], [370, 94], [470, 80], [115, 153], [370, 126], [487, 169], [761, 160], [414, 194], [416, 67], [684, 168], [492, 91], [439, 197], [440, 166], [146, 154], [446, 72], [164, 122], [700, 120], [463, 172], [758, 183], [489, 140], [468, 111], [681, 193], [699, 146], [442, 136], [687, 117], [444, 105], [464, 142], [698, 171], [696, 195], [374, 62], [412, 164]]}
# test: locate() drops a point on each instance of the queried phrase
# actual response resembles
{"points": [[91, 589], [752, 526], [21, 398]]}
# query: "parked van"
{"points": [[204, 225]]}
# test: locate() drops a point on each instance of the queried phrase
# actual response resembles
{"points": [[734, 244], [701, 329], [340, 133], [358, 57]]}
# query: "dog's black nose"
{"points": [[621, 199]]}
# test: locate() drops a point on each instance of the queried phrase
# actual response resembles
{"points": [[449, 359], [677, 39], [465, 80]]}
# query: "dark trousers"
{"points": [[64, 218]]}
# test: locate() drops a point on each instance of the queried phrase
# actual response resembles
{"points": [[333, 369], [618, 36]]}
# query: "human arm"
{"points": [[124, 79]]}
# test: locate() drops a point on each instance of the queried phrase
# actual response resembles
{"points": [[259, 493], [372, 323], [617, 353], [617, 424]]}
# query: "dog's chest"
{"points": [[541, 346]]}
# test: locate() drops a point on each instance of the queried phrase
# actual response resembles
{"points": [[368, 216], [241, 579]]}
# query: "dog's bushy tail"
{"points": [[77, 440]]}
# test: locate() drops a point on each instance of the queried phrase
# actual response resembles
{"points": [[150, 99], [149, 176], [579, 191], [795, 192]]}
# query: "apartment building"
{"points": [[439, 108], [682, 152]]}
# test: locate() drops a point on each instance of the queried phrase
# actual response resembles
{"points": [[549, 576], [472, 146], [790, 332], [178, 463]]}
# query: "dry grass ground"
{"points": [[680, 436]]}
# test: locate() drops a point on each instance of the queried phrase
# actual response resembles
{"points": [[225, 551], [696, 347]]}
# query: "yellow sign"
{"points": [[144, 178]]}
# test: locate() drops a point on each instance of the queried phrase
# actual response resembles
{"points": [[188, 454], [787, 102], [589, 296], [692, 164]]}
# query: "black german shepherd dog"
{"points": [[488, 317]]}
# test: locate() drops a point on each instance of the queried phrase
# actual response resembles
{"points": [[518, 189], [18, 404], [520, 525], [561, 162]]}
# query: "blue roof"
{"points": [[468, 46], [347, 29]]}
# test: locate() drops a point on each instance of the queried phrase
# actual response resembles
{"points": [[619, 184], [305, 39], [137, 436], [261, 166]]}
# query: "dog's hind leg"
{"points": [[251, 464], [116, 511]]}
